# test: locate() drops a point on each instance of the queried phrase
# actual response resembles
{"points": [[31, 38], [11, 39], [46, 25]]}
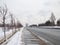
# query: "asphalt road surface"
{"points": [[52, 35]]}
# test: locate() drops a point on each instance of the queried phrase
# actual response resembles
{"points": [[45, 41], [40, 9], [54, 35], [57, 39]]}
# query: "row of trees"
{"points": [[3, 13], [14, 24], [50, 22]]}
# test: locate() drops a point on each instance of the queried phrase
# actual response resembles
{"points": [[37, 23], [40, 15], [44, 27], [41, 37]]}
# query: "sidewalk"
{"points": [[29, 39]]}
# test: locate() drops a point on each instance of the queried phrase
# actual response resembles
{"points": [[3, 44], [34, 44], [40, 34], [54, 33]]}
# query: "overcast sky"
{"points": [[33, 11]]}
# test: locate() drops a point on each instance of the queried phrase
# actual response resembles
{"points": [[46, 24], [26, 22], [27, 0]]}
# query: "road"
{"points": [[51, 35]]}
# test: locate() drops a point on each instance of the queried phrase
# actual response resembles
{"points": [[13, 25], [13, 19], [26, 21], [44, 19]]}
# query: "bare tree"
{"points": [[52, 18], [3, 12], [12, 22]]}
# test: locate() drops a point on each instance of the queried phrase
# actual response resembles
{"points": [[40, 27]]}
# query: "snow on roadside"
{"points": [[16, 39], [2, 33]]}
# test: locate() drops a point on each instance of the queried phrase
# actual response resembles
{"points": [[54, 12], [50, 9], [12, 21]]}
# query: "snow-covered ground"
{"points": [[2, 33], [8, 34], [58, 27], [15, 39]]}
